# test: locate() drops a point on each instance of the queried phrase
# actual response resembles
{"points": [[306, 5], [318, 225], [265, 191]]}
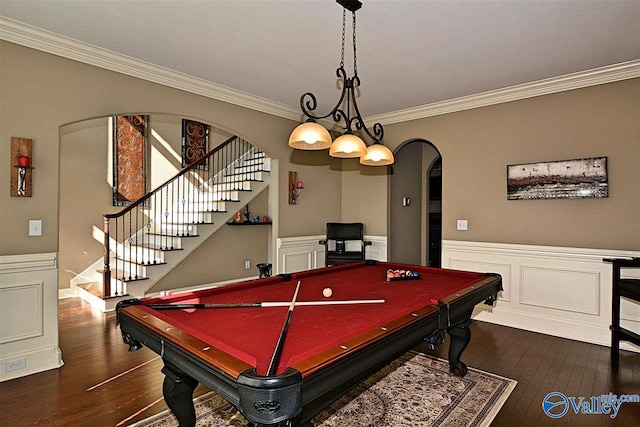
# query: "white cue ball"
{"points": [[327, 292]]}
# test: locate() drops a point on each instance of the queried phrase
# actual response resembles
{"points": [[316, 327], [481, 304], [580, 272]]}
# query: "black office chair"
{"points": [[335, 244]]}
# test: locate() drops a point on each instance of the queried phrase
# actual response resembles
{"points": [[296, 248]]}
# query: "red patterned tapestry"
{"points": [[130, 165], [195, 142]]}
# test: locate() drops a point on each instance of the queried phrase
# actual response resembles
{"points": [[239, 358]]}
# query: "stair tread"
{"points": [[95, 289], [172, 235], [236, 173], [141, 262], [244, 180], [120, 273], [184, 223], [156, 246]]}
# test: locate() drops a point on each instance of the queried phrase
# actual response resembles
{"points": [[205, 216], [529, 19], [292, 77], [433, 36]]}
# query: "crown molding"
{"points": [[36, 38], [582, 79]]}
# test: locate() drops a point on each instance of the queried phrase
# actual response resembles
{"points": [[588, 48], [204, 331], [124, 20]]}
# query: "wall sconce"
{"points": [[21, 154], [295, 188]]}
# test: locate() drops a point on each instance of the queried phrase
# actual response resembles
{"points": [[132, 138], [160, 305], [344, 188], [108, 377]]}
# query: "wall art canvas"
{"points": [[129, 159], [566, 179]]}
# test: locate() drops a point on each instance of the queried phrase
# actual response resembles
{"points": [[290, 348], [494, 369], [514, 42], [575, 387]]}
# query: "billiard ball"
{"points": [[327, 292]]}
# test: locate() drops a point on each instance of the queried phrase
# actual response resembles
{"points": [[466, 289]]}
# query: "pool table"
{"points": [[328, 348]]}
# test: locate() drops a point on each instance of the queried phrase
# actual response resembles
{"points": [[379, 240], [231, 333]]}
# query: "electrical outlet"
{"points": [[247, 265], [15, 365], [462, 224]]}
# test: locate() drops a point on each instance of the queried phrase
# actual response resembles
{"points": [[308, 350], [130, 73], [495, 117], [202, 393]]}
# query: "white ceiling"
{"points": [[410, 53]]}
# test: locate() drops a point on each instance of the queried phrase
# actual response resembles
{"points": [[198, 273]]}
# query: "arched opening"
{"points": [[85, 195], [415, 208]]}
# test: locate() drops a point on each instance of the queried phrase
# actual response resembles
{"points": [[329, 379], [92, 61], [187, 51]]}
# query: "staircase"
{"points": [[148, 238]]}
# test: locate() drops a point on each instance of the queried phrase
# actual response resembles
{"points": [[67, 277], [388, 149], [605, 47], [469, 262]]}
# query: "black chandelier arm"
{"points": [[308, 101], [378, 131], [338, 114]]}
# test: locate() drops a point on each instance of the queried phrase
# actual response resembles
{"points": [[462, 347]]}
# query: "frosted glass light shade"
{"points": [[348, 146], [377, 155], [310, 136]]}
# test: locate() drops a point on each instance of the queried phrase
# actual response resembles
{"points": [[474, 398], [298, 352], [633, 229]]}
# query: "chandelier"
{"points": [[313, 136]]}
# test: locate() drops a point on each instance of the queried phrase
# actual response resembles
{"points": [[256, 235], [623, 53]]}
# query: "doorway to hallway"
{"points": [[415, 200]]}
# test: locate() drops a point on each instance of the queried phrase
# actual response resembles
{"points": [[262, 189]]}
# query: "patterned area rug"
{"points": [[415, 390]]}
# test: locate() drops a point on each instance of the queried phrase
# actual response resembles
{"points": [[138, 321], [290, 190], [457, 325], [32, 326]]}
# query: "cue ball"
{"points": [[327, 292]]}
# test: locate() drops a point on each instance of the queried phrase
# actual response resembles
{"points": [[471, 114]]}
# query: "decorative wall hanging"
{"points": [[566, 179], [195, 142], [129, 159], [295, 188], [21, 169]]}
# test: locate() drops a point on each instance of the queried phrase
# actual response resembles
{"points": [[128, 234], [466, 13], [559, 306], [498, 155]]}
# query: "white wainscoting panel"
{"points": [[566, 290], [557, 291], [20, 312], [305, 253], [298, 261], [28, 315]]}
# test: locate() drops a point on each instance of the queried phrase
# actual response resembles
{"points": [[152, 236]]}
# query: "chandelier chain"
{"points": [[344, 18], [355, 66]]}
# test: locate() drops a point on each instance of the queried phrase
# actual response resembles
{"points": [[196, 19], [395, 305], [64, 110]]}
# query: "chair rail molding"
{"points": [[28, 315], [558, 291]]}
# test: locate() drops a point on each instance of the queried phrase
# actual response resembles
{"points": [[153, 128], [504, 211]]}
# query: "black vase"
{"points": [[265, 269]]}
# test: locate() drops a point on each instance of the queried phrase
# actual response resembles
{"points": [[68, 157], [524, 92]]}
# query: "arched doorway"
{"points": [[415, 214]]}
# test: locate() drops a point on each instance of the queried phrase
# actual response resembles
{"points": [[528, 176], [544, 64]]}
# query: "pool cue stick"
{"points": [[261, 304], [273, 365]]}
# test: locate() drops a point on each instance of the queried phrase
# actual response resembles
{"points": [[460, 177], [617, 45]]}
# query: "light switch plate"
{"points": [[462, 225], [35, 227]]}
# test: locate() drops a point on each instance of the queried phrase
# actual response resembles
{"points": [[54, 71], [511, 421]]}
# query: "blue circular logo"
{"points": [[555, 404]]}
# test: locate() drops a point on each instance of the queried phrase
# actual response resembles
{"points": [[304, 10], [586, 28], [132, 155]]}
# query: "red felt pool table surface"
{"points": [[250, 334]]}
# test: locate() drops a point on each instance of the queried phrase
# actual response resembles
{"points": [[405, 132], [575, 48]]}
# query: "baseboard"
{"points": [[34, 361]]}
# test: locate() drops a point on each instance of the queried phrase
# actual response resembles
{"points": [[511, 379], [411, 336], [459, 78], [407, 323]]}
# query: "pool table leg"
{"points": [[460, 336], [177, 390]]}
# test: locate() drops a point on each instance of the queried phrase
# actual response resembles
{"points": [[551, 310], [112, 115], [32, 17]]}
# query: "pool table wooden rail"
{"points": [[169, 333]]}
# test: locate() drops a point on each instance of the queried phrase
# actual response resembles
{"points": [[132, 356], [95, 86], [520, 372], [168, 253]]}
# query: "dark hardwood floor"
{"points": [[101, 384]]}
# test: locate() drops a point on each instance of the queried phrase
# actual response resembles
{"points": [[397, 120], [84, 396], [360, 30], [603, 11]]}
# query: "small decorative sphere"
{"points": [[327, 292]]}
